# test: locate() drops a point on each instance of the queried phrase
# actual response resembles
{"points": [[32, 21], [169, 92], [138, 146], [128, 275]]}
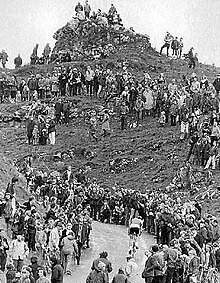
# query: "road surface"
{"points": [[115, 241]]}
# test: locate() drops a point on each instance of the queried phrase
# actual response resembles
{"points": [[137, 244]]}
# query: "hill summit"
{"points": [[95, 37]]}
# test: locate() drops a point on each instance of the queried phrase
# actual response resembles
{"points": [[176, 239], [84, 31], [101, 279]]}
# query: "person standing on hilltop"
{"points": [[89, 80], [34, 56], [18, 61], [112, 10], [46, 53], [35, 50], [62, 80], [33, 86], [87, 9], [180, 48], [216, 84], [192, 59], [4, 58], [175, 47], [79, 8], [168, 40]]}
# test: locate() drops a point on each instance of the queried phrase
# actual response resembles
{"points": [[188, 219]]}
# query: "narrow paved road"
{"points": [[114, 240]]}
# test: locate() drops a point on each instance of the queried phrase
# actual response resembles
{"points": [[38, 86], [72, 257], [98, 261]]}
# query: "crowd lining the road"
{"points": [[53, 227]]}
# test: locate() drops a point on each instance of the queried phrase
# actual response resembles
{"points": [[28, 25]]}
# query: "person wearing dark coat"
{"points": [[57, 271], [217, 256], [35, 267], [103, 258], [4, 247], [18, 61], [10, 273], [120, 277], [216, 84], [78, 8], [31, 223], [192, 61], [58, 110], [30, 129], [97, 275], [51, 214], [62, 83], [32, 85], [11, 187]]}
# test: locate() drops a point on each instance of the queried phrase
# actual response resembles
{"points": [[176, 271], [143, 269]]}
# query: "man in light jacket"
{"points": [[69, 250], [167, 42], [54, 238], [19, 251]]}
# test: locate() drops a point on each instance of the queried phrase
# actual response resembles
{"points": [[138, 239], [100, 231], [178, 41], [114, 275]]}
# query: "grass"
{"points": [[157, 152]]}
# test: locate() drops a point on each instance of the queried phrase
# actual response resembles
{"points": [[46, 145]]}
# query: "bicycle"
{"points": [[133, 244]]}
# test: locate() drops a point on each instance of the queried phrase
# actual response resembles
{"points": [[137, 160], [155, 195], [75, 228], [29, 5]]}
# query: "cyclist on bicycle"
{"points": [[136, 226], [135, 230]]}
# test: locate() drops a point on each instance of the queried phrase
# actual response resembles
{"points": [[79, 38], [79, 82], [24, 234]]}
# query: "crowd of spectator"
{"points": [[53, 227], [192, 103], [177, 50]]}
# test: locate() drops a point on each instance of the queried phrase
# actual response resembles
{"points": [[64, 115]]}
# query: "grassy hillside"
{"points": [[149, 156], [138, 59]]}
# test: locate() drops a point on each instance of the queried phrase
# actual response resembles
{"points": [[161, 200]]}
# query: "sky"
{"points": [[23, 23]]}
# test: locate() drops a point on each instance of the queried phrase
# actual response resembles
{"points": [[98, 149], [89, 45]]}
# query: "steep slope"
{"points": [[141, 158], [7, 171]]}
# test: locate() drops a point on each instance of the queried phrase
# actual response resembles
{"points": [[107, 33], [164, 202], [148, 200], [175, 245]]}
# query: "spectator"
{"points": [[192, 61], [106, 265], [52, 132], [87, 9], [97, 274], [175, 47], [58, 110], [10, 273], [4, 247], [57, 271], [35, 267], [168, 40], [30, 129], [69, 251], [120, 277], [180, 47], [78, 8], [4, 58], [42, 278], [18, 61], [34, 55], [33, 86], [89, 80], [112, 10], [216, 84], [131, 269], [124, 110], [19, 252], [46, 53]]}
